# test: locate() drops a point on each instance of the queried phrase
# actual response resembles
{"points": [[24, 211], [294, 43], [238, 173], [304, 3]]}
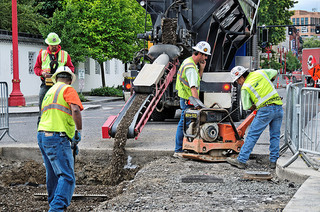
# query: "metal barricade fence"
{"points": [[4, 110], [302, 122]]}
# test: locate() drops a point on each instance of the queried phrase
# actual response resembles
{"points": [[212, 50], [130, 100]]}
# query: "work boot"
{"points": [[273, 165], [177, 155], [236, 162]]}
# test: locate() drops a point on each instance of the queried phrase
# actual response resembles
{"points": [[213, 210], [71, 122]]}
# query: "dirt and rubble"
{"points": [[157, 186]]}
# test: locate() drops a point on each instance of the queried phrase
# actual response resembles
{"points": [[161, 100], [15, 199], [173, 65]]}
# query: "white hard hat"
{"points": [[203, 47], [62, 69], [237, 72]]}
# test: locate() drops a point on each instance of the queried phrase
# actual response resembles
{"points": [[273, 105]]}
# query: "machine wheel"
{"points": [[237, 106]]}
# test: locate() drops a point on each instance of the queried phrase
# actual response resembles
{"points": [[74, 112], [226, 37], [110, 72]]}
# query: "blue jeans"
{"points": [[269, 115], [179, 133], [58, 159]]}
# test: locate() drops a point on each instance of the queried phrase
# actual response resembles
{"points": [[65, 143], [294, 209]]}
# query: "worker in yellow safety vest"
{"points": [[188, 84], [57, 136], [258, 93], [47, 63]]}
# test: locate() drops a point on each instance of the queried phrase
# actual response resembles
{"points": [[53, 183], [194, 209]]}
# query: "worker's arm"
{"points": [[69, 63], [37, 67], [194, 92], [246, 101], [192, 77], [76, 115], [272, 74]]}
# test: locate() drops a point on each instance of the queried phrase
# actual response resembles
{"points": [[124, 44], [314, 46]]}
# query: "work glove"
{"points": [[75, 140]]}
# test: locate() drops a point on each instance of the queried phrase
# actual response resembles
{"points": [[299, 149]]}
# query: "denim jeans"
{"points": [[179, 133], [269, 115], [58, 159]]}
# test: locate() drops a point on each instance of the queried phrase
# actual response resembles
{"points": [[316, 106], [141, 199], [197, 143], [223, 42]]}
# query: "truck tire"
{"points": [[237, 106]]}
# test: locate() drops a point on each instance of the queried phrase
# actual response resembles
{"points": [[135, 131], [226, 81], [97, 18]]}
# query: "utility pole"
{"points": [[16, 97]]}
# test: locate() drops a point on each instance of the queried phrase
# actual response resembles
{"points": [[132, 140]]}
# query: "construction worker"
{"points": [[47, 63], [258, 93], [188, 84], [57, 136]]}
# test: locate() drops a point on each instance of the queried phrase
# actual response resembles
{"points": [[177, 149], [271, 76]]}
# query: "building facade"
{"points": [[88, 73], [302, 17]]}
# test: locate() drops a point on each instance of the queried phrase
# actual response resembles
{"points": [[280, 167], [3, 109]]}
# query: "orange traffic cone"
{"points": [[305, 82], [287, 80], [278, 82]]}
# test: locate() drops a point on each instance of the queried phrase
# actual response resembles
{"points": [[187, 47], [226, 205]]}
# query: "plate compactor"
{"points": [[208, 139]]}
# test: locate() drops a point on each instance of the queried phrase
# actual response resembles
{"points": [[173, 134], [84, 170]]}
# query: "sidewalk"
{"points": [[307, 198], [32, 108]]}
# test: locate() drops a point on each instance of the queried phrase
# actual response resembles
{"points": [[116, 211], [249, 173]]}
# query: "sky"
{"points": [[307, 5]]}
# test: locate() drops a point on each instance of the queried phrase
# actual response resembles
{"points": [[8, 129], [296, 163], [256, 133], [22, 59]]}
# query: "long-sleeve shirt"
{"points": [[245, 96], [38, 66]]}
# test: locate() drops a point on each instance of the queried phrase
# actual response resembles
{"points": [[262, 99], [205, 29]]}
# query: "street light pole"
{"points": [[16, 97]]}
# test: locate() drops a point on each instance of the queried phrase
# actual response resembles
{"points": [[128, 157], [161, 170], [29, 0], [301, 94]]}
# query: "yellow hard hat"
{"points": [[53, 39]]}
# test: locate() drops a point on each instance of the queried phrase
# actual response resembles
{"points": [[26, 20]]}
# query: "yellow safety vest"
{"points": [[56, 115], [62, 60], [261, 89], [182, 84]]}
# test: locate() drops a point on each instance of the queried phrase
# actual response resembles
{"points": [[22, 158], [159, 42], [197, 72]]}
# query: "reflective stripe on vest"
{"points": [[261, 99], [54, 104], [62, 59], [180, 73]]}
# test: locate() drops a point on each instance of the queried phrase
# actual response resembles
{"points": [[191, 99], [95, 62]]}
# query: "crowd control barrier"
{"points": [[4, 110], [302, 123]]}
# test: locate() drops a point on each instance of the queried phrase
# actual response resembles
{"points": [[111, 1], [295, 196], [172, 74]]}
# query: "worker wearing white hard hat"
{"points": [[59, 132], [188, 85], [63, 72], [258, 93]]}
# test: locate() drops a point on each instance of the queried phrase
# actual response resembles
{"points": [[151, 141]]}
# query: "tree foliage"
{"points": [[292, 62], [28, 18], [312, 42], [101, 30], [66, 24], [275, 12]]}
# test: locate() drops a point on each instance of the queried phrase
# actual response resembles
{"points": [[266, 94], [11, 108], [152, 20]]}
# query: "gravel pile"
{"points": [[158, 186]]}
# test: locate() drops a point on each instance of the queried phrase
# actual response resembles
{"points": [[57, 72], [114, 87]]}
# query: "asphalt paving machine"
{"points": [[177, 25]]}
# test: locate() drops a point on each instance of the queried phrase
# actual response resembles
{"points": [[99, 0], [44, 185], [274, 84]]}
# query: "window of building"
{"points": [[31, 59], [107, 69], [293, 21], [87, 66], [97, 67], [306, 21], [302, 21], [312, 20], [298, 21]]}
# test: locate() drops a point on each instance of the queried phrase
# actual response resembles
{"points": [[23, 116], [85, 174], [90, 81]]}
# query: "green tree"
{"points": [[312, 42], [101, 30], [275, 12], [66, 24], [47, 8], [292, 62], [271, 63], [28, 18], [109, 29]]}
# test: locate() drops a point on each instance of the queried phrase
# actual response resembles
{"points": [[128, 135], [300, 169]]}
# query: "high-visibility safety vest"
{"points": [[182, 84], [261, 89], [56, 115], [62, 60]]}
